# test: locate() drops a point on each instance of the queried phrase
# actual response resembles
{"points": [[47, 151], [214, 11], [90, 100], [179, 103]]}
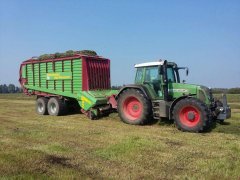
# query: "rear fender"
{"points": [[139, 87]]}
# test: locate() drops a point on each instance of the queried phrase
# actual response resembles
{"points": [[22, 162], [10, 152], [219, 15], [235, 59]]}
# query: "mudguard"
{"points": [[135, 86]]}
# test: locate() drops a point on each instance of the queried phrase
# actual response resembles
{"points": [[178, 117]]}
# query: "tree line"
{"points": [[227, 91], [11, 88]]}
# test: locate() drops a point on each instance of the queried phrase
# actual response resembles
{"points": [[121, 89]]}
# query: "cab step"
{"points": [[160, 109], [156, 109]]}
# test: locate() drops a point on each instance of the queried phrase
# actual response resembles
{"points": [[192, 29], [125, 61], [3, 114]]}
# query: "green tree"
{"points": [[4, 88], [219, 90], [18, 90], [11, 88], [234, 91]]}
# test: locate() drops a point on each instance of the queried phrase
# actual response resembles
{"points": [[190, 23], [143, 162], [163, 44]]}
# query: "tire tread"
{"points": [[145, 102], [206, 119]]}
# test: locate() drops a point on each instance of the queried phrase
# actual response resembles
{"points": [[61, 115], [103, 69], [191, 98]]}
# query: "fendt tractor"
{"points": [[81, 81]]}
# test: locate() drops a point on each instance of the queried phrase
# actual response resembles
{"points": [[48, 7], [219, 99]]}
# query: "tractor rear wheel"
{"points": [[191, 115], [41, 106], [56, 106], [133, 107]]}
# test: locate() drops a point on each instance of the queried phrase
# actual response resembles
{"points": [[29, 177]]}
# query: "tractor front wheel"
{"points": [[133, 107], [191, 115]]}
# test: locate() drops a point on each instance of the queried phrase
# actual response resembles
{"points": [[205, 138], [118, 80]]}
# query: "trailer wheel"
{"points": [[191, 115], [41, 106], [133, 107], [56, 106]]}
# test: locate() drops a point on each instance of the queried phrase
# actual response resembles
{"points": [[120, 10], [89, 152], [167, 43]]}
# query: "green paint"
{"points": [[89, 99], [24, 72], [179, 89], [55, 77]]}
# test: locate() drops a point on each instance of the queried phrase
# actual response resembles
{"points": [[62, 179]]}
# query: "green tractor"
{"points": [[158, 93]]}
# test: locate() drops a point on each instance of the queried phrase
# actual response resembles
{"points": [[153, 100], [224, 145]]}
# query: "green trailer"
{"points": [[77, 81]]}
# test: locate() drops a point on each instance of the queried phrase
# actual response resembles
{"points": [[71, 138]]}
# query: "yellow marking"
{"points": [[53, 74], [57, 76], [84, 99], [83, 104]]}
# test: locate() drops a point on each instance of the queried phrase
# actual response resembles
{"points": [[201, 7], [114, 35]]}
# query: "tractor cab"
{"points": [[159, 77]]}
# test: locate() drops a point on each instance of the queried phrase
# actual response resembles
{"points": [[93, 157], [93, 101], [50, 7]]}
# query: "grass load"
{"points": [[68, 53]]}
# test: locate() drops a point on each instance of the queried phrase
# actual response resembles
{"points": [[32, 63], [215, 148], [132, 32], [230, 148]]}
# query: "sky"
{"points": [[202, 35]]}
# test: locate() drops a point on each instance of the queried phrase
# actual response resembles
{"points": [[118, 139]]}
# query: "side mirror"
{"points": [[186, 68]]}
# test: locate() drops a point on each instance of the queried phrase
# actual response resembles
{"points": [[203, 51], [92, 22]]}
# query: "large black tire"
{"points": [[56, 106], [41, 106], [134, 108], [192, 115]]}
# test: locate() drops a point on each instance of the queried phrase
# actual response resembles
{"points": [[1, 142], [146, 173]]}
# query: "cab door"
{"points": [[153, 80]]}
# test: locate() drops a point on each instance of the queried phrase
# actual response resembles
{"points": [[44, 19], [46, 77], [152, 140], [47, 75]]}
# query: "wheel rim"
{"points": [[53, 107], [132, 108], [40, 107], [189, 116]]}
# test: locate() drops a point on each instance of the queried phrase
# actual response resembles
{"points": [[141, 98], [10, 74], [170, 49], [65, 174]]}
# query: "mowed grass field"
{"points": [[74, 147]]}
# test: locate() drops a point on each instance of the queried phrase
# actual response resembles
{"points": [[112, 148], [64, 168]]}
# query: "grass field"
{"points": [[72, 146]]}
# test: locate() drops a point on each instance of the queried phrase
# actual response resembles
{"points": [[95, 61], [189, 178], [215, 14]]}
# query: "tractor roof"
{"points": [[156, 63]]}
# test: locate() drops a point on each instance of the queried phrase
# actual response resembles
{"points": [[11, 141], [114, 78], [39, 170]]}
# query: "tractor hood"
{"points": [[177, 90]]}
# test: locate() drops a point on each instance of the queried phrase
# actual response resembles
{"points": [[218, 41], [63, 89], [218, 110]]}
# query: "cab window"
{"points": [[152, 74], [139, 75]]}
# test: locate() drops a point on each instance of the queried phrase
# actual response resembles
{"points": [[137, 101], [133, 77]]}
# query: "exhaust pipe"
{"points": [[165, 81]]}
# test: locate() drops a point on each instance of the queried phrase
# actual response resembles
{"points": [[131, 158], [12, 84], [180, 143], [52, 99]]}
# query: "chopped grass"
{"points": [[234, 123], [74, 147], [124, 148], [235, 105]]}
